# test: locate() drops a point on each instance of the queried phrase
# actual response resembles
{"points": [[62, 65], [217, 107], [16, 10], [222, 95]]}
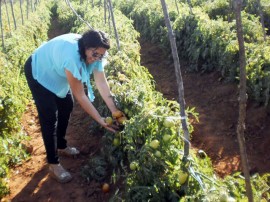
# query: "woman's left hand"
{"points": [[110, 127]]}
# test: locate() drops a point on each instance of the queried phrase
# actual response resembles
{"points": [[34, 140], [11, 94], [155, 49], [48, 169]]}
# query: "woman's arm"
{"points": [[78, 92], [104, 90]]}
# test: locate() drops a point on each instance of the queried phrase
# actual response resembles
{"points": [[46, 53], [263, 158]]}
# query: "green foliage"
{"points": [[95, 169], [20, 46], [11, 153], [217, 9], [12, 98], [14, 93], [260, 186], [252, 7], [258, 71], [224, 9], [159, 169], [65, 16], [3, 188], [157, 172], [149, 22], [208, 44]]}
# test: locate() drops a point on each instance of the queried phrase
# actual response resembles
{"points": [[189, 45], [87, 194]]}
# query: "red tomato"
{"points": [[105, 188]]}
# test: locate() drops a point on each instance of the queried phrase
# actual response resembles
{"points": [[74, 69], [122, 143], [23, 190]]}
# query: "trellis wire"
{"points": [[1, 24], [21, 11], [110, 14], [105, 12], [74, 11], [7, 16], [13, 15], [114, 25], [27, 9]]}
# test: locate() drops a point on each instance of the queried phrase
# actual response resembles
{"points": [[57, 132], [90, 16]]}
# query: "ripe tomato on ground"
{"points": [[105, 188]]}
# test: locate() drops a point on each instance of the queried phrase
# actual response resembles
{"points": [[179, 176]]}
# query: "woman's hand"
{"points": [[110, 127]]}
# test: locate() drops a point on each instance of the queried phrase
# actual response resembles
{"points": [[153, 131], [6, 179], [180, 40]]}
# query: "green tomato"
{"points": [[168, 122], [182, 177], [126, 110], [111, 83], [116, 141], [166, 138], [154, 144], [223, 197], [109, 120], [152, 106], [133, 165], [231, 199], [1, 107], [158, 154], [118, 134]]}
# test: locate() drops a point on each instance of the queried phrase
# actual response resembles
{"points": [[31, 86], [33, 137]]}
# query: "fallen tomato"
{"points": [[105, 188]]}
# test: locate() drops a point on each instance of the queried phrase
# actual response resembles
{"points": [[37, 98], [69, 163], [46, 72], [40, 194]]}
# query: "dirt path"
{"points": [[215, 101], [217, 105], [30, 181]]}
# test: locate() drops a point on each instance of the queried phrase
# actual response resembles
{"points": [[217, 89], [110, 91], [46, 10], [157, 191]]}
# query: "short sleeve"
{"points": [[74, 67], [99, 65]]}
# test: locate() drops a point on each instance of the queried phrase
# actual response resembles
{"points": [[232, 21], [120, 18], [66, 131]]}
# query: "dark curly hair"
{"points": [[92, 39]]}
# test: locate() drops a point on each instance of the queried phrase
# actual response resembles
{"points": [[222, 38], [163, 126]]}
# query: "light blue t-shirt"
{"points": [[50, 60]]}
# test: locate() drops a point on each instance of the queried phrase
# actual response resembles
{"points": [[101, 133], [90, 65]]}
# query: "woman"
{"points": [[57, 71]]}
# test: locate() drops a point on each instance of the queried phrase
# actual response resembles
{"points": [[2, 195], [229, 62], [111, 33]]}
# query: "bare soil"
{"points": [[215, 133], [216, 101]]}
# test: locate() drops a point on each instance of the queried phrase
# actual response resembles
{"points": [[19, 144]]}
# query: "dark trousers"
{"points": [[53, 113]]}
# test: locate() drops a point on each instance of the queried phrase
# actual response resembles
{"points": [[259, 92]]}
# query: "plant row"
{"points": [[147, 155], [13, 15], [208, 43], [14, 93]]}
